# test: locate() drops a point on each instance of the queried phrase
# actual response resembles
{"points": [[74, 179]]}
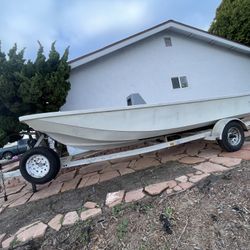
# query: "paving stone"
{"points": [[70, 218], [124, 171], [197, 178], [109, 175], [90, 213], [247, 133], [168, 158], [26, 227], [53, 189], [92, 180], [14, 181], [6, 243], [120, 165], [13, 190], [10, 167], [177, 150], [70, 185], [106, 169], [191, 174], [191, 160], [22, 200], [150, 155], [213, 145], [90, 204], [67, 176], [83, 182], [89, 174], [115, 198], [208, 167], [208, 153], [182, 178], [132, 163], [35, 231], [95, 167], [246, 145], [185, 185], [177, 188], [155, 189], [171, 183], [134, 195], [13, 198], [226, 161], [56, 222], [144, 163], [241, 154], [194, 148]]}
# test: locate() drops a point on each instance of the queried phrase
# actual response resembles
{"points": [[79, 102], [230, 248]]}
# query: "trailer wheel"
{"points": [[232, 137], [39, 165], [8, 155]]}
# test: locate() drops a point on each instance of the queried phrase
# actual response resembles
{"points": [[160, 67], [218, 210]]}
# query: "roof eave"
{"points": [[172, 25]]}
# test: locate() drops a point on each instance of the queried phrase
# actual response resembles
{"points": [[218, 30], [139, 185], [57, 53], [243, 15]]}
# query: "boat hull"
{"points": [[99, 129]]}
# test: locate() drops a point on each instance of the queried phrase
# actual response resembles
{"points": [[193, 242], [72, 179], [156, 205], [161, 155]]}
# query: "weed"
{"points": [[117, 210], [82, 231], [122, 228], [168, 212], [14, 242]]}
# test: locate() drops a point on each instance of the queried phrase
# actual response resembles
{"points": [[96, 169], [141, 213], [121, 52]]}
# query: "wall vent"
{"points": [[168, 42]]}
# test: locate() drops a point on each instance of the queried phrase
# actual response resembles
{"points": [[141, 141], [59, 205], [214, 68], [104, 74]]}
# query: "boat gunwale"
{"points": [[104, 110]]}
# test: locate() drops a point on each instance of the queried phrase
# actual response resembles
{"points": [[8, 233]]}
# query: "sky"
{"points": [[87, 25]]}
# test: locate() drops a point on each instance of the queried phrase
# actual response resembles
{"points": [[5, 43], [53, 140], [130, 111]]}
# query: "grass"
{"points": [[117, 210], [122, 228]]}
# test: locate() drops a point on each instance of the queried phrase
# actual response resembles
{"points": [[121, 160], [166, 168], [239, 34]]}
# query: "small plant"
{"points": [[117, 210], [82, 230], [122, 228], [168, 212], [14, 242]]}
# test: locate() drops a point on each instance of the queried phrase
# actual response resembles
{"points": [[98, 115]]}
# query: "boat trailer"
{"points": [[40, 165]]}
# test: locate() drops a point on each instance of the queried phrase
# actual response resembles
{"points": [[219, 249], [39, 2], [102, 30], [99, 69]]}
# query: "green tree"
{"points": [[28, 87], [232, 21]]}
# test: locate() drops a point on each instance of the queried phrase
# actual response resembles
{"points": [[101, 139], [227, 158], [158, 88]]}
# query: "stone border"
{"points": [[91, 209]]}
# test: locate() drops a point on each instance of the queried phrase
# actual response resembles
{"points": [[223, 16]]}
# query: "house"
{"points": [[170, 62]]}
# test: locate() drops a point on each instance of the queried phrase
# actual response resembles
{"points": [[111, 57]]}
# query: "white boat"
{"points": [[107, 128]]}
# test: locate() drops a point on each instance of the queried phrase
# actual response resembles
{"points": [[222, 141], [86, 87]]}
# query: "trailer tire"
{"points": [[7, 155], [232, 137], [39, 165]]}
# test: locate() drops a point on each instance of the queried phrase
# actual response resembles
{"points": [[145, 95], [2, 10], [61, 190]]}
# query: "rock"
{"points": [[90, 213], [155, 189], [115, 198], [134, 195], [56, 222], [70, 218], [90, 204]]}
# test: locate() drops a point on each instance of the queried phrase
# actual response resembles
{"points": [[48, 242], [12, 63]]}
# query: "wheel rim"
{"points": [[234, 136], [8, 156], [37, 166]]}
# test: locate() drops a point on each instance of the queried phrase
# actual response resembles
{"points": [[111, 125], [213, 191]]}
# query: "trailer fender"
{"points": [[220, 125]]}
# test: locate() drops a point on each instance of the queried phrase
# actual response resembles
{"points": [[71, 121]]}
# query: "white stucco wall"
{"points": [[147, 67]]}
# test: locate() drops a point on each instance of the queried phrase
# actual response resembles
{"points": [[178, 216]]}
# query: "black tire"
{"points": [[51, 158], [8, 155], [232, 137]]}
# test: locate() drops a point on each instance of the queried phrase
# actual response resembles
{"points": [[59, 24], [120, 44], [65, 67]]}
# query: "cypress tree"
{"points": [[28, 87]]}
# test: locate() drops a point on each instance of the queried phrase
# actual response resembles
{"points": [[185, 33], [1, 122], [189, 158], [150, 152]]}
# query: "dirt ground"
{"points": [[44, 210], [215, 214]]}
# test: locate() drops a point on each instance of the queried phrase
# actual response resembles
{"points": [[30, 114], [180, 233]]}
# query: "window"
{"points": [[168, 41], [179, 82], [175, 82]]}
